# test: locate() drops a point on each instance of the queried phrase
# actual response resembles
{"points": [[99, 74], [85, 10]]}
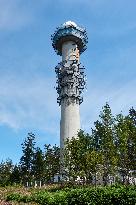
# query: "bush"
{"points": [[79, 196], [19, 198]]}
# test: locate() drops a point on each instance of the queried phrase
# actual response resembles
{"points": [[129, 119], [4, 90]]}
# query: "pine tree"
{"points": [[38, 164], [26, 161], [126, 135], [132, 127], [52, 161], [15, 177], [6, 169], [56, 161], [103, 135]]}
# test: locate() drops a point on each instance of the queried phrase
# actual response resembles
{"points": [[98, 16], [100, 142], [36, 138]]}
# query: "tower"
{"points": [[69, 41]]}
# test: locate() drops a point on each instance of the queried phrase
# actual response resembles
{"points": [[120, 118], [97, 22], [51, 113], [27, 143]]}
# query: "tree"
{"points": [[38, 164], [15, 177], [132, 134], [56, 161], [5, 172], [104, 142], [126, 135], [71, 160], [52, 161], [26, 161], [79, 157]]}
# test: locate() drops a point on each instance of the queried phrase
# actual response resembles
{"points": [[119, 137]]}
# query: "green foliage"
{"points": [[87, 196], [6, 169], [79, 157], [52, 161], [109, 151], [38, 164], [104, 143], [132, 134], [126, 144], [26, 161], [19, 198], [15, 175]]}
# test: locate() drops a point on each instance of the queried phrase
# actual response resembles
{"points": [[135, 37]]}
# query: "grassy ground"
{"points": [[4, 191], [58, 194]]}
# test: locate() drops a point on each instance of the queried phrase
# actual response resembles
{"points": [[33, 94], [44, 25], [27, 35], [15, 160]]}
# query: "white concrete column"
{"points": [[70, 121], [70, 116], [70, 51]]}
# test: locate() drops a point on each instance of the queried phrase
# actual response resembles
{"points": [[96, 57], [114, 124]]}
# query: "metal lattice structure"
{"points": [[70, 82]]}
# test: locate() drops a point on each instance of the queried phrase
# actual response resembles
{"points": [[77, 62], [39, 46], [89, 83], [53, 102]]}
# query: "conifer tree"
{"points": [[15, 177], [126, 135], [132, 126], [38, 164], [52, 161], [6, 169], [26, 161], [103, 135]]}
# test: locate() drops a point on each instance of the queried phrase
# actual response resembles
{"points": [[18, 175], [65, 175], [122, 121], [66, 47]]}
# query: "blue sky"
{"points": [[27, 61]]}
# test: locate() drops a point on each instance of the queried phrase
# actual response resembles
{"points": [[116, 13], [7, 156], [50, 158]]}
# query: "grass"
{"points": [[51, 194], [5, 191]]}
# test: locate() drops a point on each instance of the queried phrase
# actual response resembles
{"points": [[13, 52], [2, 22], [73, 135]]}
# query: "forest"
{"points": [[106, 155]]}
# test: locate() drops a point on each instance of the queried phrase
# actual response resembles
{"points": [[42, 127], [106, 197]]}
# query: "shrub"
{"points": [[79, 196]]}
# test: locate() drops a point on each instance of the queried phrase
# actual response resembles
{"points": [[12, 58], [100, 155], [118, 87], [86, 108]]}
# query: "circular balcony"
{"points": [[69, 31]]}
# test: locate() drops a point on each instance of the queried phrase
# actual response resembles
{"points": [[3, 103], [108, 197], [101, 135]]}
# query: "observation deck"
{"points": [[69, 31]]}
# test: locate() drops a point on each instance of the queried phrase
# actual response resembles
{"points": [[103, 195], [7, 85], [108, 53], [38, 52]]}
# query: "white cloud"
{"points": [[28, 103]]}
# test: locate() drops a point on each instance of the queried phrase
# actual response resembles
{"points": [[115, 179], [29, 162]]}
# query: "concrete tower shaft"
{"points": [[70, 51], [70, 114], [70, 121]]}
